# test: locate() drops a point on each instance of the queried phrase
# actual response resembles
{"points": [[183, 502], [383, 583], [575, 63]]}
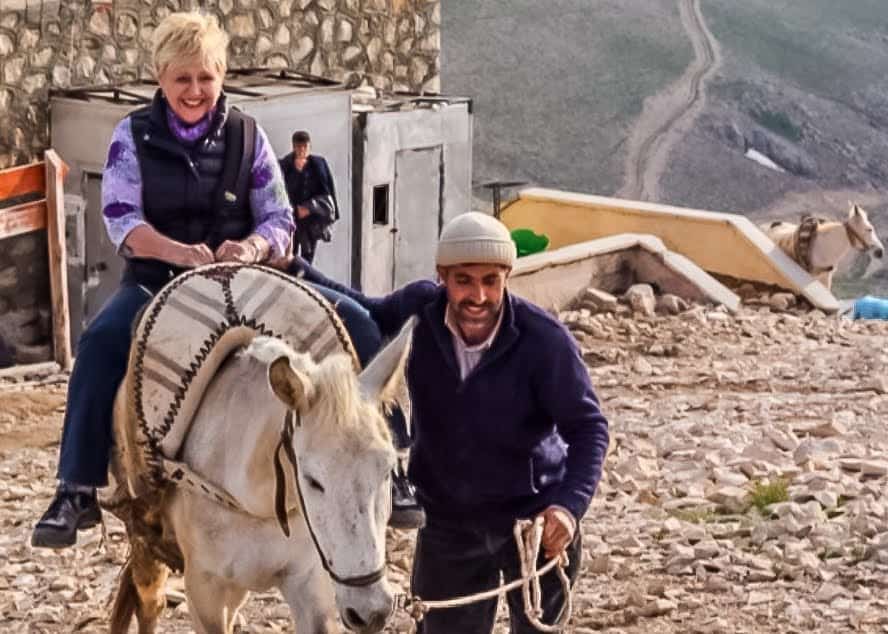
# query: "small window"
{"points": [[381, 204]]}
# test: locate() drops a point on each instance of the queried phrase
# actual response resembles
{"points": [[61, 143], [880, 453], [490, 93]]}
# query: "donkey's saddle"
{"points": [[188, 330], [803, 240]]}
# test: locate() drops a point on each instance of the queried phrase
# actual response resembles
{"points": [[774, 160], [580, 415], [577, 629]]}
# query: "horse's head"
{"points": [[344, 455], [862, 233]]}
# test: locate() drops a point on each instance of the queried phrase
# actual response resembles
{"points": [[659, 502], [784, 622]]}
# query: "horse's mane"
{"points": [[335, 378]]}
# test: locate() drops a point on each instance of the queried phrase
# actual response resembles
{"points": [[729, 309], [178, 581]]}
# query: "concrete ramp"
{"points": [[719, 243], [553, 279]]}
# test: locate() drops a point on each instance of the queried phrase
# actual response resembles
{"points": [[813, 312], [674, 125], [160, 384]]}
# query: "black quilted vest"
{"points": [[182, 191]]}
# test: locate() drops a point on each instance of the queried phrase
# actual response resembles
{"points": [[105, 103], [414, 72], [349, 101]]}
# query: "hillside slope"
{"points": [[640, 100]]}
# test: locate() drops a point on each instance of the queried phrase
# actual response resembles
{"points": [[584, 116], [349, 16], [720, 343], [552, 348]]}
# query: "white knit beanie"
{"points": [[475, 238]]}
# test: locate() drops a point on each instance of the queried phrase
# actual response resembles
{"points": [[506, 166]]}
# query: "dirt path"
{"points": [[31, 417], [667, 116]]}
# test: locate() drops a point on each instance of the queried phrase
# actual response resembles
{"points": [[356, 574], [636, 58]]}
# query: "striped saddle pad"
{"points": [[191, 326]]}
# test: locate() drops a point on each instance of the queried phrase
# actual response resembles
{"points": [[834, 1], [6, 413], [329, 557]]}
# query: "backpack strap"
{"points": [[240, 145]]}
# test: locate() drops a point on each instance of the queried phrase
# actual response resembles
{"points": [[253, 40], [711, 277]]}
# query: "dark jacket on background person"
{"points": [[523, 430], [314, 181]]}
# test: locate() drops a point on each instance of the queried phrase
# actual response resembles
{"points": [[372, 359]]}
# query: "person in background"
{"points": [[312, 194]]}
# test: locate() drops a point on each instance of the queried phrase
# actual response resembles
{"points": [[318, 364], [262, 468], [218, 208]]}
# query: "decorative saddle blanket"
{"points": [[188, 330], [803, 240]]}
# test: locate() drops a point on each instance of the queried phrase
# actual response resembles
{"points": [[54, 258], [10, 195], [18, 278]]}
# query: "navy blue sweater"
{"points": [[521, 432]]}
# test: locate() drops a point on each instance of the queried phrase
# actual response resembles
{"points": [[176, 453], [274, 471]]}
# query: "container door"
{"points": [[417, 214], [103, 265]]}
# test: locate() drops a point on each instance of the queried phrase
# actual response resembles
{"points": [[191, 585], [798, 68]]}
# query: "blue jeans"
{"points": [[102, 355], [452, 561]]}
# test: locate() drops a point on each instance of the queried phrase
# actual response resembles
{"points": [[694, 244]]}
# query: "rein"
{"points": [[528, 537], [280, 496]]}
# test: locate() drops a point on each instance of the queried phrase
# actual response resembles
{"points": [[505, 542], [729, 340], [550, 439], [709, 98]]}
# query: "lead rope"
{"points": [[528, 537]]}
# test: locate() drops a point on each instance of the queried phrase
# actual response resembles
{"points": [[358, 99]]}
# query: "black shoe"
{"points": [[69, 512], [406, 511]]}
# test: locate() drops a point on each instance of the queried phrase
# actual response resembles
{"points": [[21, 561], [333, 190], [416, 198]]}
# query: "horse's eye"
{"points": [[314, 484]]}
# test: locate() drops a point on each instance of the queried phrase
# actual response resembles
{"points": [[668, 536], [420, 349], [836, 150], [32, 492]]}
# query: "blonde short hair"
{"points": [[189, 36]]}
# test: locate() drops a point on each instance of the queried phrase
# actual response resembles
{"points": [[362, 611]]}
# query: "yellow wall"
{"points": [[727, 244]]}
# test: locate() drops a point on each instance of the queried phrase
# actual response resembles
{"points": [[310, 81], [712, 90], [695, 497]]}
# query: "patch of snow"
{"points": [[761, 159]]}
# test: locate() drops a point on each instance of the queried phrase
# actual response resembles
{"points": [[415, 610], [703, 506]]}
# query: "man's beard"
{"points": [[469, 320]]}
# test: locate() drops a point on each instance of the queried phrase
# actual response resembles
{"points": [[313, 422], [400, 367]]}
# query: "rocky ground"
{"points": [[744, 490]]}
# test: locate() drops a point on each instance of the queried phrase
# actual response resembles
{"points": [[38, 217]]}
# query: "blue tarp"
{"points": [[869, 307]]}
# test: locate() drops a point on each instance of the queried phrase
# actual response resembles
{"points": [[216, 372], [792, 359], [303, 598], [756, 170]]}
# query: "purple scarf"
{"points": [[188, 134]]}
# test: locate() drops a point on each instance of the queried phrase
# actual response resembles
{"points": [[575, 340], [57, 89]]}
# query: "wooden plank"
{"points": [[23, 180], [22, 218], [56, 169]]}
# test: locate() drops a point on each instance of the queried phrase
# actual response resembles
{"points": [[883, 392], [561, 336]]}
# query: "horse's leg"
{"points": [[312, 601], [213, 603], [140, 591]]}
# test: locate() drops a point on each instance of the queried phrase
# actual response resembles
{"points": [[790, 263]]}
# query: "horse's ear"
{"points": [[290, 385], [382, 379]]}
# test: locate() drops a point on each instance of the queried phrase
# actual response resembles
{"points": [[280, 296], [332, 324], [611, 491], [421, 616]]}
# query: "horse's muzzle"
{"points": [[369, 624], [878, 252]]}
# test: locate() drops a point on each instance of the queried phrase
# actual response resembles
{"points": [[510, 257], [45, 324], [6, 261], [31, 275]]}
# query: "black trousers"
{"points": [[453, 561], [307, 245]]}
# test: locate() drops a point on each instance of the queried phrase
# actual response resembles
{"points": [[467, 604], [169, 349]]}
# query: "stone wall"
{"points": [[46, 44]]}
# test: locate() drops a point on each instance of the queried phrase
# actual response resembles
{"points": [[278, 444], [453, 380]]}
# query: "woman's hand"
{"points": [[193, 255], [243, 251], [282, 263], [146, 242]]}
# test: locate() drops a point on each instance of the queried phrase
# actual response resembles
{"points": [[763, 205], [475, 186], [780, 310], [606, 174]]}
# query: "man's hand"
{"points": [[193, 255], [558, 530], [242, 251], [302, 211]]}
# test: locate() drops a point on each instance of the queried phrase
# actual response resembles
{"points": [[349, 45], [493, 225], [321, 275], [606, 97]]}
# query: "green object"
{"points": [[529, 242]]}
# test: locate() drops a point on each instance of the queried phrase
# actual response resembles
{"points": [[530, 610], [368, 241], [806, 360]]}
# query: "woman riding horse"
{"points": [[188, 181]]}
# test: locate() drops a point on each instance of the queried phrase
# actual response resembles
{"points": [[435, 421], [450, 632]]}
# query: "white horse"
{"points": [[819, 245], [341, 444]]}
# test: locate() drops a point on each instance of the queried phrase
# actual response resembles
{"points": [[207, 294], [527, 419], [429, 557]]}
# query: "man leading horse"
{"points": [[506, 425]]}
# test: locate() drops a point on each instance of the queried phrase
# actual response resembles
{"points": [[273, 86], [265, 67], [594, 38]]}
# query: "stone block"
{"points": [[344, 31], [6, 45], [641, 298], [303, 49], [100, 23], [242, 25], [12, 70]]}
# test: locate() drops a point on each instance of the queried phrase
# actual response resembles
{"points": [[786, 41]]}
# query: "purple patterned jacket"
{"points": [[122, 208]]}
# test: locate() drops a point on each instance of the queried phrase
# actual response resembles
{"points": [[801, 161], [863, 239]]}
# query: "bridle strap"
{"points": [[853, 235], [286, 443]]}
